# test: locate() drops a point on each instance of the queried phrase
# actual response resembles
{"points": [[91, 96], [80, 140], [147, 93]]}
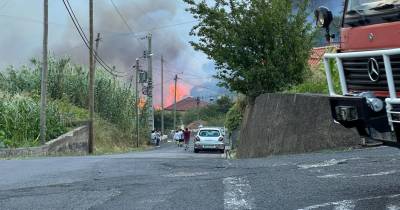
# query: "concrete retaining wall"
{"points": [[291, 123], [75, 141]]}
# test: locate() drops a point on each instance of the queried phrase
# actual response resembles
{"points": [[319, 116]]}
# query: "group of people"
{"points": [[156, 137], [182, 137]]}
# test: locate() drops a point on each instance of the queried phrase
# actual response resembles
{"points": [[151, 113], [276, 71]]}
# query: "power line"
{"points": [[85, 39], [76, 22], [124, 20], [161, 27], [122, 17], [4, 4], [113, 33]]}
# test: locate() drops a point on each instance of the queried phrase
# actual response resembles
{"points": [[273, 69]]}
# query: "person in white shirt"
{"points": [[153, 136], [181, 138], [176, 137]]}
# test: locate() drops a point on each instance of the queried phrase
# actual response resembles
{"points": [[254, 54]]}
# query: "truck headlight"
{"points": [[346, 113]]}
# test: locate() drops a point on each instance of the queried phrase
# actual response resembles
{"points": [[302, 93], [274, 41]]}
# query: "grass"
{"points": [[110, 139], [67, 106], [19, 121]]}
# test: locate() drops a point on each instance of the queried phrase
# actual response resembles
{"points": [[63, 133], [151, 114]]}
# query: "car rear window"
{"points": [[209, 133]]}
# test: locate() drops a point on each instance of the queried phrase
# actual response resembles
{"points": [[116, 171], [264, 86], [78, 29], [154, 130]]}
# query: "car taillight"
{"points": [[197, 138], [221, 138]]}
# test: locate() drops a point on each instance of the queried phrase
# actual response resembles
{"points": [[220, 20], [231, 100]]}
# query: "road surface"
{"points": [[171, 178]]}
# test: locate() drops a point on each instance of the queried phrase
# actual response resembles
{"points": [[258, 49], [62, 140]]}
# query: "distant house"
{"points": [[186, 104], [317, 54]]}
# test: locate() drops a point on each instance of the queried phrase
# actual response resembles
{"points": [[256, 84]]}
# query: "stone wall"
{"points": [[291, 123], [75, 141]]}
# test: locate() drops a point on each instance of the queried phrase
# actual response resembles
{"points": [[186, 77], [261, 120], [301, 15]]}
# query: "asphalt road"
{"points": [[171, 178]]}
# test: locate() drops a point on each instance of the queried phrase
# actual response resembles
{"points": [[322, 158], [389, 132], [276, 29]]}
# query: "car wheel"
{"points": [[196, 151], [222, 151]]}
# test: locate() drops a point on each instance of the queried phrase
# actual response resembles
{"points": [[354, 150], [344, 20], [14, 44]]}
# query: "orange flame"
{"points": [[142, 102], [182, 91]]}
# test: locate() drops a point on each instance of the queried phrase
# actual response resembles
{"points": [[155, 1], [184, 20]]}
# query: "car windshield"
{"points": [[360, 6], [209, 133]]}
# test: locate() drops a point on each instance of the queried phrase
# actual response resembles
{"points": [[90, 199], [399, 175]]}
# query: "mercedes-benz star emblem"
{"points": [[373, 70], [371, 36]]}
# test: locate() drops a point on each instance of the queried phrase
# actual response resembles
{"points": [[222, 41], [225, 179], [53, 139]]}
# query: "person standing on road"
{"points": [[177, 137], [153, 137], [181, 138], [186, 138], [158, 138]]}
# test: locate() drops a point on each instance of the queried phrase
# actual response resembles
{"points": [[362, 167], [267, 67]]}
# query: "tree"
{"points": [[213, 114], [224, 104], [258, 46], [168, 120]]}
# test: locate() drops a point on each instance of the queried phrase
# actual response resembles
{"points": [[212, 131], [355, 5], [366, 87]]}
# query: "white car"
{"points": [[209, 139]]}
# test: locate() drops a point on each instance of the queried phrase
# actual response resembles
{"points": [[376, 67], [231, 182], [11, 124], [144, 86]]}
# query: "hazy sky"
{"points": [[21, 37], [166, 19]]}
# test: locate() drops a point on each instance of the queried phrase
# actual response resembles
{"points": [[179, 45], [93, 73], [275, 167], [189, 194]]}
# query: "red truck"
{"points": [[368, 64]]}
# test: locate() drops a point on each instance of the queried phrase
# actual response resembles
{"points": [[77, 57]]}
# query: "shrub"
{"points": [[19, 121], [235, 115], [316, 81], [114, 101]]}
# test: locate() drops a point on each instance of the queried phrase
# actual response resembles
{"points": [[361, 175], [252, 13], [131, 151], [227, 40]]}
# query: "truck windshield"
{"points": [[368, 6], [368, 12]]}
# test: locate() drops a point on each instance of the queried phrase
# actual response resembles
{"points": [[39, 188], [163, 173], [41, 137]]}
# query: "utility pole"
{"points": [[150, 83], [137, 101], [91, 80], [176, 81], [198, 105], [98, 39], [162, 95], [43, 89]]}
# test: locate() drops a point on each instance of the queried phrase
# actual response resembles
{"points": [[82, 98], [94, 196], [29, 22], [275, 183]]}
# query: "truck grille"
{"points": [[356, 73]]}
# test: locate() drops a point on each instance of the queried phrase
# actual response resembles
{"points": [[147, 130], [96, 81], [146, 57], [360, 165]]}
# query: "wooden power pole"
{"points": [[91, 80], [137, 101], [43, 90], [176, 81], [162, 95]]}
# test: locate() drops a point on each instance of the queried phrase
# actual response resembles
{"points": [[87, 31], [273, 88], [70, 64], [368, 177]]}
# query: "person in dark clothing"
{"points": [[186, 136]]}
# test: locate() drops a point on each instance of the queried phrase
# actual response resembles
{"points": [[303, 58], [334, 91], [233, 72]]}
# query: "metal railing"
{"points": [[393, 99]]}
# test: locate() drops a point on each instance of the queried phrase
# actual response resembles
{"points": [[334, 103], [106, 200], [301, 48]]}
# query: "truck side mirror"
{"points": [[323, 17]]}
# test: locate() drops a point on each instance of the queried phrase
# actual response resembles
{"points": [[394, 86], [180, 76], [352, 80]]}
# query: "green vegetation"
{"points": [[235, 115], [213, 114], [67, 90], [316, 81], [19, 117], [258, 46], [168, 120]]}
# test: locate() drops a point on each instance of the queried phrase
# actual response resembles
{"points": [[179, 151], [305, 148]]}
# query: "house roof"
{"points": [[186, 104], [316, 55]]}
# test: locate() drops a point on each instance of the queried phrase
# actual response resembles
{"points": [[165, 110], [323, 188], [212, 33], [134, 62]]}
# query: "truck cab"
{"points": [[368, 64]]}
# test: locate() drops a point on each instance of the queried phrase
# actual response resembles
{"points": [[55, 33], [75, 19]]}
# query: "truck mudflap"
{"points": [[354, 112]]}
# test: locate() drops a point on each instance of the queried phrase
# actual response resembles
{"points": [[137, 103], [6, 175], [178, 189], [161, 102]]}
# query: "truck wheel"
{"points": [[196, 151]]}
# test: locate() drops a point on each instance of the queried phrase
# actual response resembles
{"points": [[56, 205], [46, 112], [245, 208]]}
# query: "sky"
{"points": [[167, 20]]}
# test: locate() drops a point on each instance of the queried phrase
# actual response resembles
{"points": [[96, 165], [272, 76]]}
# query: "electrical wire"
{"points": [[85, 39], [5, 3], [124, 20], [98, 58], [122, 17]]}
